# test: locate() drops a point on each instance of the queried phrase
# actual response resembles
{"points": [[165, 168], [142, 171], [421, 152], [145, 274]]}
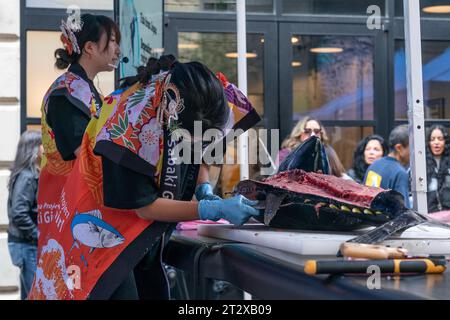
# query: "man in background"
{"points": [[389, 172]]}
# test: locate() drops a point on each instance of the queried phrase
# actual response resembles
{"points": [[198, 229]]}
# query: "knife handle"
{"points": [[391, 266], [369, 251]]}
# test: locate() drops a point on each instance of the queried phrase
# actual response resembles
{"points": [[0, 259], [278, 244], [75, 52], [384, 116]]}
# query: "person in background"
{"points": [[304, 129], [369, 149], [389, 172], [438, 169], [22, 208]]}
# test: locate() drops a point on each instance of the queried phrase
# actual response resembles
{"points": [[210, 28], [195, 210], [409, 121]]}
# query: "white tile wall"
{"points": [[9, 130], [9, 127], [10, 17], [4, 176], [9, 274], [10, 67]]}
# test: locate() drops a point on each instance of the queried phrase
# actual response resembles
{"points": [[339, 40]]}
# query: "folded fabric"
{"points": [[192, 225], [442, 216]]}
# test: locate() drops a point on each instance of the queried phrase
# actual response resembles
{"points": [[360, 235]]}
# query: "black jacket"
{"points": [[22, 209], [67, 121], [438, 194]]}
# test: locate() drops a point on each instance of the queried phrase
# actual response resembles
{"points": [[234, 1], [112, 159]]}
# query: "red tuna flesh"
{"points": [[326, 186]]}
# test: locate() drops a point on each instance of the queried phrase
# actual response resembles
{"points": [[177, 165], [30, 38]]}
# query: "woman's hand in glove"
{"points": [[236, 210], [204, 191]]}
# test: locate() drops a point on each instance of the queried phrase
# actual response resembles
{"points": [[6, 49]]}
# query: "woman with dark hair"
{"points": [[22, 208], [369, 150], [199, 103], [127, 189], [90, 48], [438, 168]]}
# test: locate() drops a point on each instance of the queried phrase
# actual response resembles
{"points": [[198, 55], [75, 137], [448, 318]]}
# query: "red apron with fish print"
{"points": [[79, 238], [86, 250]]}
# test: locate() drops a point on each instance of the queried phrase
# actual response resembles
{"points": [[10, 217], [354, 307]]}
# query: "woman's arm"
{"points": [[204, 190], [236, 210], [203, 174], [169, 210]]}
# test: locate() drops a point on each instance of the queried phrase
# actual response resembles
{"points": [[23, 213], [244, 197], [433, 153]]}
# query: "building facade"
{"points": [[342, 62], [9, 129]]}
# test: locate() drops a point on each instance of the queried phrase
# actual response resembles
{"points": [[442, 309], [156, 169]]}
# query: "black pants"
{"points": [[127, 290], [151, 277], [146, 282]]}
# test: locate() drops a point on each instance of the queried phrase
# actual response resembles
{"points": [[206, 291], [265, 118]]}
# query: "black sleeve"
{"points": [[126, 189], [23, 197], [68, 124]]}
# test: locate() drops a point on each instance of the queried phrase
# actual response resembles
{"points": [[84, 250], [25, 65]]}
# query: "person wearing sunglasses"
{"points": [[304, 129]]}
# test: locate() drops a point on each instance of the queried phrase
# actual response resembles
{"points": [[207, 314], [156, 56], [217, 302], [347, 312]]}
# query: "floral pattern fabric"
{"points": [[132, 117]]}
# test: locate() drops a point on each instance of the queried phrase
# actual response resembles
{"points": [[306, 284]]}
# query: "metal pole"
{"points": [[242, 82], [415, 104]]}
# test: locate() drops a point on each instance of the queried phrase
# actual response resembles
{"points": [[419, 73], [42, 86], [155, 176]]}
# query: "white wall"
{"points": [[9, 128]]}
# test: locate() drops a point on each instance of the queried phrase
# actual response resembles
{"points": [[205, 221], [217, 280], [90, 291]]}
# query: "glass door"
{"points": [[214, 43], [329, 74]]}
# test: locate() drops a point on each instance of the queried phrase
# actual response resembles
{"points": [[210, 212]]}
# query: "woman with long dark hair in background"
{"points": [[22, 208], [369, 149], [438, 168]]}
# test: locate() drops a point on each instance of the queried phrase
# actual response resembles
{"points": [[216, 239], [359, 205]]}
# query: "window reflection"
{"points": [[333, 77], [436, 79], [219, 52], [344, 141], [354, 7], [255, 6], [41, 72], [63, 4], [429, 8]]}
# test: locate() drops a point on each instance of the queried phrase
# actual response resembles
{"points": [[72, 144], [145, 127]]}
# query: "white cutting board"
{"points": [[417, 240]]}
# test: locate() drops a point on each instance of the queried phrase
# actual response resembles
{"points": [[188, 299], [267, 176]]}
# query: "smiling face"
{"points": [[373, 151], [437, 142]]}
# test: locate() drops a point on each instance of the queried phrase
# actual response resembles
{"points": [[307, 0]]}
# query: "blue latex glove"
{"points": [[204, 191], [236, 210]]}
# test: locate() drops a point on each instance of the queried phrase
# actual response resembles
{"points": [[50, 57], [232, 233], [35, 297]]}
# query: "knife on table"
{"points": [[390, 266], [370, 251]]}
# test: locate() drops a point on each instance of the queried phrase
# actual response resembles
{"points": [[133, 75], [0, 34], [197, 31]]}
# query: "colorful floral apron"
{"points": [[86, 250]]}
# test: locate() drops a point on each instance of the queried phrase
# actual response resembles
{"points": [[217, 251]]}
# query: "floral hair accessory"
{"points": [[69, 39], [171, 105], [222, 79]]}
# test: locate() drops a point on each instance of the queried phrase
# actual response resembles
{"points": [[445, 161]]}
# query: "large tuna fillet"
{"points": [[306, 200]]}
